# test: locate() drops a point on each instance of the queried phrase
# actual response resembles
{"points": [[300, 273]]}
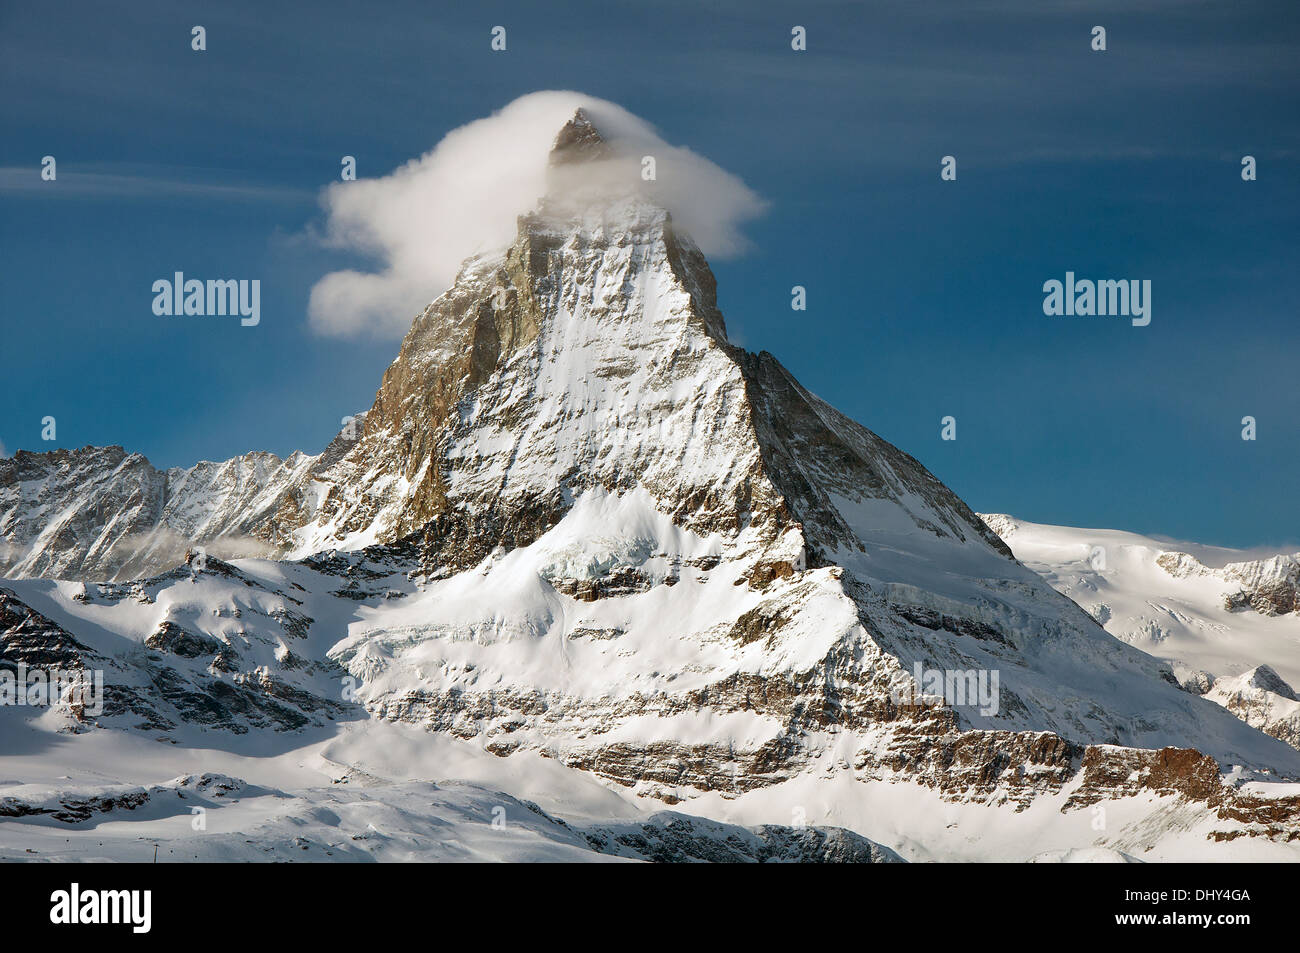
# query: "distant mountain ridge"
{"points": [[1231, 631]]}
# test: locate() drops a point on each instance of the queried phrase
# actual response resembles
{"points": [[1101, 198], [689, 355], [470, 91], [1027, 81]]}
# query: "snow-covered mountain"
{"points": [[1228, 622], [101, 513], [579, 527]]}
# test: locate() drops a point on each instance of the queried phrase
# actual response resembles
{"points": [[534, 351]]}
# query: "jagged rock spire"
{"points": [[578, 141]]}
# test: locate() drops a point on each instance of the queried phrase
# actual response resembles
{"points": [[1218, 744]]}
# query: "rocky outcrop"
{"points": [[1267, 586], [668, 838], [184, 678], [1261, 698]]}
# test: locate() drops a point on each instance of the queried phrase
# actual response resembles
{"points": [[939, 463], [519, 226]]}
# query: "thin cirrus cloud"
{"points": [[139, 182], [463, 198]]}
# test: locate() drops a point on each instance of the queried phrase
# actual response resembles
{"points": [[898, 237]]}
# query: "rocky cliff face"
{"points": [[578, 521], [1267, 586], [175, 654], [1261, 698], [100, 513]]}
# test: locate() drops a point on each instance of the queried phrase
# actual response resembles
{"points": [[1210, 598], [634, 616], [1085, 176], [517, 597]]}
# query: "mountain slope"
{"points": [[95, 786]]}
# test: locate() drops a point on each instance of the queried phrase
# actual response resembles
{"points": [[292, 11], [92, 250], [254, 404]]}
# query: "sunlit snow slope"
{"points": [[1227, 621]]}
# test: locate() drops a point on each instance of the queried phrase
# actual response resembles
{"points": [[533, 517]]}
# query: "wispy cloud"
{"points": [[202, 185]]}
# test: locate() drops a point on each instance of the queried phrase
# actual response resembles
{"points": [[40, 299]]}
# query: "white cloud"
{"points": [[424, 219], [3, 452]]}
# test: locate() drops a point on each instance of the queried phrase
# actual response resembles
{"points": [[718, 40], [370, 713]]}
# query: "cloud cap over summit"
{"points": [[421, 221]]}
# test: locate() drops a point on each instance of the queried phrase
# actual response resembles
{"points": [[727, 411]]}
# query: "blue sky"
{"points": [[924, 296]]}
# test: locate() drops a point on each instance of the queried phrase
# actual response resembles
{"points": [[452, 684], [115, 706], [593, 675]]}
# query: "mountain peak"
{"points": [[578, 141], [1270, 681]]}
